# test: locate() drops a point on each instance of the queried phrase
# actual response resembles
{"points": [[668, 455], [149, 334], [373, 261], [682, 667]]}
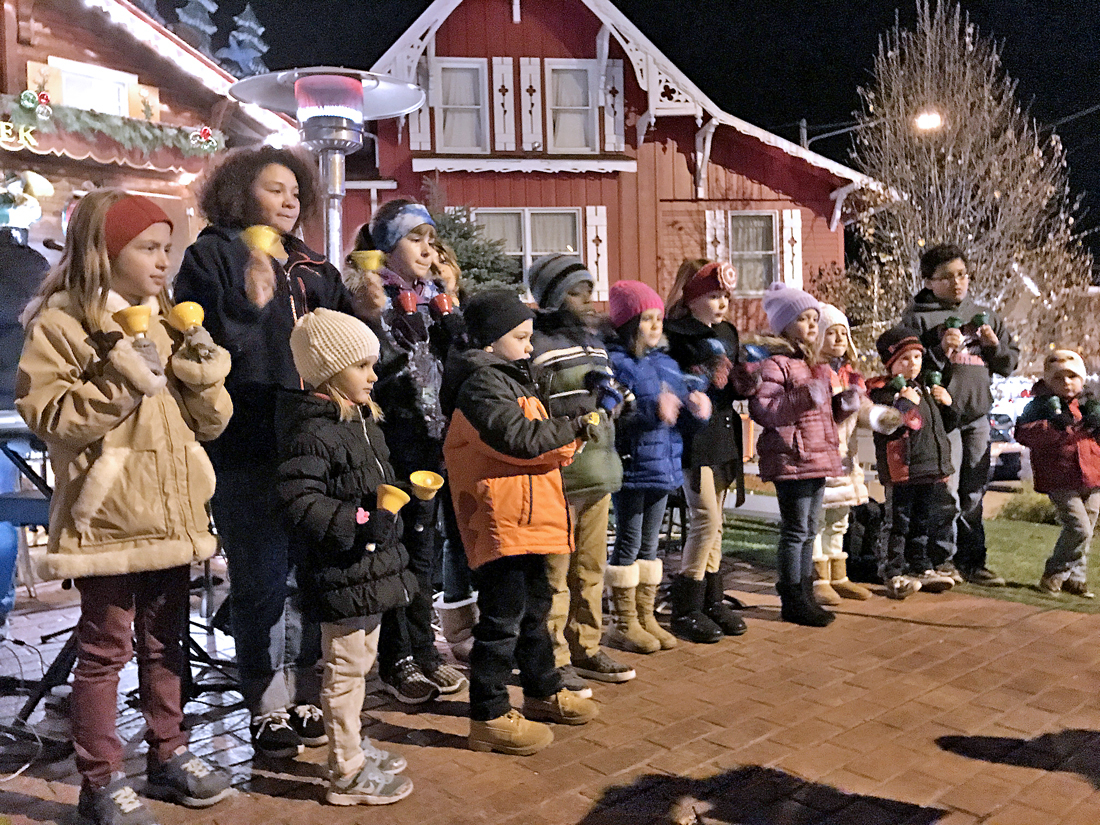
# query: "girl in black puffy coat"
{"points": [[333, 459]]}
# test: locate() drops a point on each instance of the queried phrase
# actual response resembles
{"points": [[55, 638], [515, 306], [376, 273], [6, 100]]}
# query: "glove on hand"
{"points": [[745, 381], [846, 402], [198, 344], [148, 352], [820, 391]]}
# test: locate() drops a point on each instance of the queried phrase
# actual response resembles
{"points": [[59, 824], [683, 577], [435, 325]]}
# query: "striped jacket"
{"points": [[564, 352]]}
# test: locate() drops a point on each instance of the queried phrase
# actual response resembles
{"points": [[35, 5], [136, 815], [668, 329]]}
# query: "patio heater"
{"points": [[331, 105]]}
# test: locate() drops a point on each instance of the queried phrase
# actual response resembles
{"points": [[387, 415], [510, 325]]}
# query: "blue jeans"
{"points": [[277, 651], [457, 584], [917, 529], [970, 457], [800, 504], [513, 601], [639, 515]]}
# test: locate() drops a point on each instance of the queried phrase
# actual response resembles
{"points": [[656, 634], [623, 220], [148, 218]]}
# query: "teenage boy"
{"points": [[967, 343]]}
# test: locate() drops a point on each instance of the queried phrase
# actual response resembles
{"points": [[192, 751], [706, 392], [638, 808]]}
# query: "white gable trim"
{"points": [[158, 39], [669, 90]]}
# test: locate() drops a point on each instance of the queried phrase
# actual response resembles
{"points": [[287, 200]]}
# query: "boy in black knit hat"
{"points": [[914, 463], [504, 455]]}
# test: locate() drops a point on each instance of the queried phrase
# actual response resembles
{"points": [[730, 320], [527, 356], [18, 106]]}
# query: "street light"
{"points": [[927, 120], [331, 105]]}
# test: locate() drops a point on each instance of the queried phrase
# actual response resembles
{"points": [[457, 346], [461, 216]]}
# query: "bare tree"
{"points": [[988, 178]]}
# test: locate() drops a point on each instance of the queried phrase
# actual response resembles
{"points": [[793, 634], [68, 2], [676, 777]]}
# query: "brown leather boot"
{"points": [[511, 734]]}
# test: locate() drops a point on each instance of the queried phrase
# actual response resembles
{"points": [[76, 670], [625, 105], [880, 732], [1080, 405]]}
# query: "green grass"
{"points": [[1017, 551]]}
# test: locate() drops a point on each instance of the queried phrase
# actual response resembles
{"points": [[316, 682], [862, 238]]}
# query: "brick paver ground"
{"points": [[945, 709]]}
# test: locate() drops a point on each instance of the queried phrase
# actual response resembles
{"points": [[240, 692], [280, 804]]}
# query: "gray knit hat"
{"points": [[324, 342], [552, 276]]}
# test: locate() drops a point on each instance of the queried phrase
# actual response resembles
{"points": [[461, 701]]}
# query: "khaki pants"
{"points": [[703, 545], [349, 649], [576, 613]]}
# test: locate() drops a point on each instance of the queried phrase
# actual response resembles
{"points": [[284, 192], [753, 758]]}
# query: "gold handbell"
{"points": [[134, 320], [186, 315], [367, 260], [425, 484], [391, 498], [265, 239]]}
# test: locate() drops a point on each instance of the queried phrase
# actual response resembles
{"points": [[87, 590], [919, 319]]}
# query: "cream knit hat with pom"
{"points": [[324, 342]]}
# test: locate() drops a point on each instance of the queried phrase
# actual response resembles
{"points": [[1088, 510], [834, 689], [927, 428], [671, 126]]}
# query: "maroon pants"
{"points": [[150, 608]]}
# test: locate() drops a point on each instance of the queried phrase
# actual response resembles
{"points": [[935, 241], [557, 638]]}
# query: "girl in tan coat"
{"points": [[122, 412]]}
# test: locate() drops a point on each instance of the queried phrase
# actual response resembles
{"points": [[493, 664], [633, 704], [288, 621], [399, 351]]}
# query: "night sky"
{"points": [[770, 62]]}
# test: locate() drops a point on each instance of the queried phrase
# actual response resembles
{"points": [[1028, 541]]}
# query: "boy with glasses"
{"points": [[967, 343]]}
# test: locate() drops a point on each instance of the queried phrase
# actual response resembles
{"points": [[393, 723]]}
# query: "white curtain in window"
{"points": [[554, 232], [752, 251], [503, 226], [572, 121], [461, 108]]}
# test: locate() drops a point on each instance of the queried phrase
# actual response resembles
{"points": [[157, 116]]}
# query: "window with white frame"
{"points": [[753, 249], [94, 88], [572, 103], [461, 105], [531, 233]]}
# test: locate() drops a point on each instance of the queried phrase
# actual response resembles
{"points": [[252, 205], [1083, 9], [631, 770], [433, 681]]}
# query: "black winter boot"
{"points": [[799, 606], [716, 608], [688, 619]]}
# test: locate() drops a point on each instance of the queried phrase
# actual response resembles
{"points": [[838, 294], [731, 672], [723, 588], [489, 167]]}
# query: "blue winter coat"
{"points": [[650, 449]]}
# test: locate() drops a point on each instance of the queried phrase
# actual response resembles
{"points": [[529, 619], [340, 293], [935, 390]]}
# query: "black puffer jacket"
{"points": [[918, 452], [329, 469], [213, 274], [718, 441]]}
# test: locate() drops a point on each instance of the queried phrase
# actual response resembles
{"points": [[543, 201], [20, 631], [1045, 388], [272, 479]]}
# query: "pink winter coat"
{"points": [[800, 439]]}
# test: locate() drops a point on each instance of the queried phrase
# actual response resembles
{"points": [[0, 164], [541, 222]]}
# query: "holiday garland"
{"points": [[128, 132]]}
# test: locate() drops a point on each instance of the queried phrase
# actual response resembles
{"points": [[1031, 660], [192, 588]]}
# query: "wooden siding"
{"points": [[655, 219]]}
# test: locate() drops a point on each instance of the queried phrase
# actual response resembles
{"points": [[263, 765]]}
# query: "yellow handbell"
{"points": [[391, 498], [265, 239], [185, 315], [367, 260], [425, 484], [134, 320]]}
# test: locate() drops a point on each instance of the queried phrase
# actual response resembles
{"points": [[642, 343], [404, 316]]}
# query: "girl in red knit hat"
{"points": [[122, 407]]}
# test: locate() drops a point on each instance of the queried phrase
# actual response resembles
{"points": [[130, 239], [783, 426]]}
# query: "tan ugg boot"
{"points": [[624, 632], [842, 586], [650, 574], [511, 734], [457, 620], [823, 590]]}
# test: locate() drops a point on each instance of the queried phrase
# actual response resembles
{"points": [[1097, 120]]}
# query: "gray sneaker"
{"points": [[187, 780], [385, 761], [369, 787], [603, 668], [572, 681], [934, 582], [116, 803], [900, 587]]}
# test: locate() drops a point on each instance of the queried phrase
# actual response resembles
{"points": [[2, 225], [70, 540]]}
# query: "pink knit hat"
{"points": [[629, 299]]}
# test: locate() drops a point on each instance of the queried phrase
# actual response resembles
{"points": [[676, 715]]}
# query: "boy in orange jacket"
{"points": [[503, 455]]}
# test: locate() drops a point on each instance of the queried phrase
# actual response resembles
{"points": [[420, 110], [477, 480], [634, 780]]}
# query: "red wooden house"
{"points": [[566, 129]]}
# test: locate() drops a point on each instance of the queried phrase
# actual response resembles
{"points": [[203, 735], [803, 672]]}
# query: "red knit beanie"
{"points": [[128, 218], [713, 277], [629, 299]]}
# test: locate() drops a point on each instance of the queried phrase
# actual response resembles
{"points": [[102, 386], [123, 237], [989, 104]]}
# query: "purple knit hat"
{"points": [[783, 304]]}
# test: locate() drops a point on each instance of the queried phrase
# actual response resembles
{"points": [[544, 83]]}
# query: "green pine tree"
{"points": [[482, 260]]}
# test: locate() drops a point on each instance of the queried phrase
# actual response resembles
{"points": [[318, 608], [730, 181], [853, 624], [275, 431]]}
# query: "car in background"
{"points": [[1006, 455]]}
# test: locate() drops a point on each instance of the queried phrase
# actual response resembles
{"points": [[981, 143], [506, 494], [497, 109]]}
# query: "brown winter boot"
{"points": [[650, 574], [823, 590], [624, 632], [511, 734], [842, 586]]}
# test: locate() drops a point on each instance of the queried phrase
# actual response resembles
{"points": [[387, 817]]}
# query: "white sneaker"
{"points": [[369, 787], [901, 586], [934, 582]]}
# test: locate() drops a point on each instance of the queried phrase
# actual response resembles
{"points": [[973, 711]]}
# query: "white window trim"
{"points": [[776, 253], [107, 77], [526, 212], [482, 66], [458, 163], [595, 95]]}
